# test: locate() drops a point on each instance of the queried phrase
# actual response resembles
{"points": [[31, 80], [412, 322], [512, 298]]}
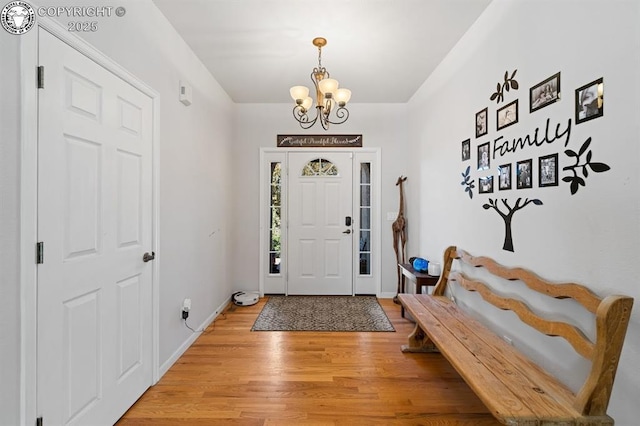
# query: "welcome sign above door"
{"points": [[319, 141]]}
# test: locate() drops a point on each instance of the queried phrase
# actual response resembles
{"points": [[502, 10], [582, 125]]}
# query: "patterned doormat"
{"points": [[322, 313]]}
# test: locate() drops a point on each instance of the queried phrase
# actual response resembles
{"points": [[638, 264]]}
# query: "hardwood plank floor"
{"points": [[233, 376]]}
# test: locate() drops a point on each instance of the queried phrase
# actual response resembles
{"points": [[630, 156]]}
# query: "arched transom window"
{"points": [[320, 167]]}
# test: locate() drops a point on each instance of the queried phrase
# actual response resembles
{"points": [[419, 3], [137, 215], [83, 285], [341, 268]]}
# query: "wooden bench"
{"points": [[514, 388]]}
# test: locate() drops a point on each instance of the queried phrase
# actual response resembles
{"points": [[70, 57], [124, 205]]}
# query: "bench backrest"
{"points": [[611, 315]]}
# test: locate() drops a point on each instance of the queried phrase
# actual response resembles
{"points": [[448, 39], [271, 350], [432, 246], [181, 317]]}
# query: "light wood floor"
{"points": [[233, 376]]}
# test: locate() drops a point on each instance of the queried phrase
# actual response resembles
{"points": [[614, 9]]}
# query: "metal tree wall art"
{"points": [[576, 181], [467, 182], [508, 216], [509, 83]]}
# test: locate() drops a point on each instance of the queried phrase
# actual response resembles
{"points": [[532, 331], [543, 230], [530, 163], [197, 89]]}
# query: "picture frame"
{"points": [[482, 122], [485, 185], [524, 173], [466, 150], [507, 115], [548, 170], [544, 93], [590, 101], [484, 162], [504, 177]]}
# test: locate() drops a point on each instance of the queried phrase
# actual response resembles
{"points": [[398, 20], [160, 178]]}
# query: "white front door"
{"points": [[320, 243], [94, 349]]}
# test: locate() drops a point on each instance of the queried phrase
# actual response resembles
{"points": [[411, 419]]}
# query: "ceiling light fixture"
{"points": [[327, 96]]}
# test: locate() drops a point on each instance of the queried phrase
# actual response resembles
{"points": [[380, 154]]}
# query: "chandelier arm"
{"points": [[342, 114], [302, 118], [324, 121]]}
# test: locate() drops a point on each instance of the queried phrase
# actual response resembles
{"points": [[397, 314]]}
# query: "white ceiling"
{"points": [[382, 50]]}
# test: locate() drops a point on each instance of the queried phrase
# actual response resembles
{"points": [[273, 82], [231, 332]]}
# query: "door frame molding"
{"points": [[29, 202], [282, 153]]}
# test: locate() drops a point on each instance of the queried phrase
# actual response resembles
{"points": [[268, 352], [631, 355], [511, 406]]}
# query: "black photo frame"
{"points": [[482, 122], [507, 115], [504, 177], [548, 170], [485, 185], [466, 150], [590, 101], [484, 161], [524, 174], [544, 93]]}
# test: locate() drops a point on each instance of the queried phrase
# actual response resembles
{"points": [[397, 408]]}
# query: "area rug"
{"points": [[322, 313]]}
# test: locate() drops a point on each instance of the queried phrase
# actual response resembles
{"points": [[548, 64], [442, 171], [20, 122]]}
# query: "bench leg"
{"points": [[419, 342]]}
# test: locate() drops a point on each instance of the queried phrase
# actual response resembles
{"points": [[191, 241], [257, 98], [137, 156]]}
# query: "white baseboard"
{"points": [[387, 295], [192, 338]]}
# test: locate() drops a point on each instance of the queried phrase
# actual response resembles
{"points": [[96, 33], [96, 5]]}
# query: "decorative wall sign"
{"points": [[485, 185], [548, 170], [590, 101], [508, 216], [509, 83], [504, 177], [507, 115], [467, 182], [319, 141], [466, 150], [482, 122], [524, 169], [544, 93], [483, 156], [576, 181]]}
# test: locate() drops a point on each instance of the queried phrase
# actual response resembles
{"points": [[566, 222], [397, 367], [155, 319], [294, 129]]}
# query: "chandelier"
{"points": [[328, 96]]}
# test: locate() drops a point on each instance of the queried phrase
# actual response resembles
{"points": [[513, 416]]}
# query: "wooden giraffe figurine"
{"points": [[399, 234]]}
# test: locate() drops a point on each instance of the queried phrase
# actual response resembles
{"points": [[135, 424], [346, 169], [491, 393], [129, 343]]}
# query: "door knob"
{"points": [[348, 231], [147, 257]]}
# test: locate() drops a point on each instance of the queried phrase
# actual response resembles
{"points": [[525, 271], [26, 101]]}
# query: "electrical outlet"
{"points": [[186, 307], [508, 340]]}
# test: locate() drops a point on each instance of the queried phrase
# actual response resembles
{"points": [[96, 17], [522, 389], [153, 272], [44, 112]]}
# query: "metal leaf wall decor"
{"points": [[467, 182], [575, 181], [509, 83]]}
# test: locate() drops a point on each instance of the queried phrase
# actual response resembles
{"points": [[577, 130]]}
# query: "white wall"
{"points": [[382, 125], [592, 237], [195, 198]]}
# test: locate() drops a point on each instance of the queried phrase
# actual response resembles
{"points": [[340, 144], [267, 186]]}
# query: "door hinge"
{"points": [[41, 77], [40, 253], [39, 421]]}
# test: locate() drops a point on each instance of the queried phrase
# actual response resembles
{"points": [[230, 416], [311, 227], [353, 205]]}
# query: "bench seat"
{"points": [[513, 388]]}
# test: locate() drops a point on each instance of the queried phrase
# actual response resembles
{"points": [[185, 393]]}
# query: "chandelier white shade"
{"points": [[328, 95]]}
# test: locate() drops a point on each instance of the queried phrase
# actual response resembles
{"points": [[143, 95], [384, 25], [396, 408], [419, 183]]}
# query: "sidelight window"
{"points": [[365, 219], [275, 208]]}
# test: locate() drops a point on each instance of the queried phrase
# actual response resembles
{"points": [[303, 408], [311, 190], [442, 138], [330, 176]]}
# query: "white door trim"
{"points": [[281, 154], [29, 203]]}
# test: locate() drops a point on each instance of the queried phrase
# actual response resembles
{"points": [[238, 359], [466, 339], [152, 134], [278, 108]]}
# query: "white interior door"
{"points": [[94, 216], [320, 244]]}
